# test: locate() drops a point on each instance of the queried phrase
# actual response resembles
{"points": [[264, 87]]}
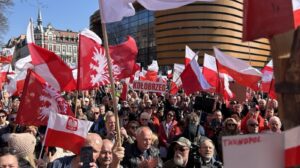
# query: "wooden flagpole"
{"points": [[104, 33]]}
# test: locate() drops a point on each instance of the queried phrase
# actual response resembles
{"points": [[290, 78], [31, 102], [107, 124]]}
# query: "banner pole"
{"points": [[105, 38]]}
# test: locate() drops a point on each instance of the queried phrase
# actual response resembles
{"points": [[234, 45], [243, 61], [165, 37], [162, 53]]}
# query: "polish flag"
{"points": [[151, 73], [115, 10], [267, 80], [7, 55], [266, 18], [292, 147], [73, 131], [219, 81], [24, 63], [178, 69], [296, 9], [39, 100], [155, 5], [192, 79], [16, 84], [189, 55], [239, 70], [50, 66], [92, 62]]}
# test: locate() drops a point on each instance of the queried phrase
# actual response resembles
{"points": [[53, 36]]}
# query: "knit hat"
{"points": [[23, 143]]}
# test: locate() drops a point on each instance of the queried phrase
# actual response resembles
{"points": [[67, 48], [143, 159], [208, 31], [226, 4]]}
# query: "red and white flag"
{"points": [[219, 81], [39, 99], [16, 84], [239, 70], [24, 63], [6, 55], [50, 66], [267, 80], [192, 79], [73, 131], [189, 55], [115, 10], [155, 5], [265, 18], [178, 69], [296, 10], [152, 72], [124, 59], [292, 147], [93, 65]]}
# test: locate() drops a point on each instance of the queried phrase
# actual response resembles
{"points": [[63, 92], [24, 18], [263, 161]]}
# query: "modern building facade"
{"points": [[201, 26], [140, 27]]}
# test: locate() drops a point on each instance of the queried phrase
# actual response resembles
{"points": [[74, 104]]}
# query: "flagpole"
{"points": [[104, 33]]}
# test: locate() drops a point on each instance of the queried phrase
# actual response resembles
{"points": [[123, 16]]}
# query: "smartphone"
{"points": [[86, 156]]}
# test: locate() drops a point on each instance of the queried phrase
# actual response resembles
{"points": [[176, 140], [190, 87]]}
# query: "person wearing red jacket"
{"points": [[168, 130], [253, 113]]}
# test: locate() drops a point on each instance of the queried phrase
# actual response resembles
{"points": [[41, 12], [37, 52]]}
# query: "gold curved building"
{"points": [[203, 25]]}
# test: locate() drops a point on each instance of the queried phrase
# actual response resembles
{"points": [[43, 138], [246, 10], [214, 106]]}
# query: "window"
{"points": [[64, 49]]}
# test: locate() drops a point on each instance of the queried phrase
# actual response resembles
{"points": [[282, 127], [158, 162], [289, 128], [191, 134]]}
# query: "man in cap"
{"points": [[181, 154]]}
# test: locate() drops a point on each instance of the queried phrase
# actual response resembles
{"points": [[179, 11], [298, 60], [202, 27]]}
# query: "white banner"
{"points": [[253, 150], [149, 86]]}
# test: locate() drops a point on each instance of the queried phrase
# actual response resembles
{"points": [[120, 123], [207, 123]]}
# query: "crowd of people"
{"points": [[156, 130]]}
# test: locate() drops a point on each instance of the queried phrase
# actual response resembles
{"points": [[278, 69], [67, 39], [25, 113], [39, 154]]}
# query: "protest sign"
{"points": [[253, 150], [149, 86]]}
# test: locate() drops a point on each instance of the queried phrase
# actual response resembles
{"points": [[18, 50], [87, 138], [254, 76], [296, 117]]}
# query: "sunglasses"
{"points": [[231, 124], [3, 116], [253, 125], [8, 150], [96, 113]]}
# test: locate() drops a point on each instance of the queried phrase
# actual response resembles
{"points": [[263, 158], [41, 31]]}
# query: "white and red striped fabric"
{"points": [[6, 55], [192, 78], [189, 55], [16, 84], [296, 10], [152, 72], [219, 81], [239, 70], [267, 80], [50, 66], [155, 5], [178, 69], [292, 147], [73, 131]]}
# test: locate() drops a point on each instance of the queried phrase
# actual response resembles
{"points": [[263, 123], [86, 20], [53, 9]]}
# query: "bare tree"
{"points": [[4, 5]]}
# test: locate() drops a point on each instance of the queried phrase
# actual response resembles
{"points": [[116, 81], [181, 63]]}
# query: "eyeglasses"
{"points": [[96, 113], [181, 149], [3, 116], [8, 150], [253, 125], [231, 124]]}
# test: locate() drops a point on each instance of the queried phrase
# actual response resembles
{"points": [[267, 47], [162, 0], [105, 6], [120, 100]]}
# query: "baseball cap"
{"points": [[182, 141]]}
